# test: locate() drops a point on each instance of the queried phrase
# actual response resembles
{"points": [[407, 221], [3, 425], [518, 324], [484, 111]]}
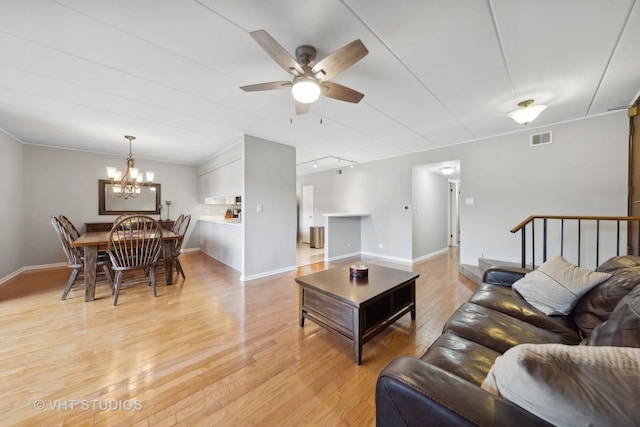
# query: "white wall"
{"points": [[58, 181], [12, 206], [430, 212], [583, 172], [270, 182], [380, 189]]}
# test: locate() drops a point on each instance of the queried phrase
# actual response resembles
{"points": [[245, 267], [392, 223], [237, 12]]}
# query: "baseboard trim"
{"points": [[335, 258], [11, 276], [244, 278], [388, 258], [30, 268], [190, 250], [431, 255]]}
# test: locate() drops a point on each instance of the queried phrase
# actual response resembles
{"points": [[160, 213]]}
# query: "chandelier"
{"points": [[128, 183]]}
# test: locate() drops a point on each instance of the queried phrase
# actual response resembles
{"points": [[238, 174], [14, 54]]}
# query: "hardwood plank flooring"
{"points": [[209, 350]]}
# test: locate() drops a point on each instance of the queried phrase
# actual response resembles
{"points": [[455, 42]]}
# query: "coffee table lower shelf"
{"points": [[357, 322]]}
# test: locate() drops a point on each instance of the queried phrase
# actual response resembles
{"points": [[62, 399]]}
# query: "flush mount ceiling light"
{"points": [[305, 89], [447, 170], [527, 112]]}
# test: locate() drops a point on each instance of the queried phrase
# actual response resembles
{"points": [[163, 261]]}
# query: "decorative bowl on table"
{"points": [[358, 271]]}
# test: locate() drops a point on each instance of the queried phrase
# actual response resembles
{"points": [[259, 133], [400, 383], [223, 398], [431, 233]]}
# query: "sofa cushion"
{"points": [[623, 326], [557, 285], [597, 305], [507, 301], [570, 385], [459, 356], [499, 331]]}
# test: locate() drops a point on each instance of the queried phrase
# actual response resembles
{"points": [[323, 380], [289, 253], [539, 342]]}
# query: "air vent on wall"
{"points": [[541, 139]]}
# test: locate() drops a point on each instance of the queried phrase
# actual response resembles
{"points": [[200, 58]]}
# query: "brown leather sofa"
{"points": [[443, 386]]}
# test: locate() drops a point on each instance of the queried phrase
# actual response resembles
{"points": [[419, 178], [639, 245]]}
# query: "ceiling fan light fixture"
{"points": [[305, 90], [527, 112]]}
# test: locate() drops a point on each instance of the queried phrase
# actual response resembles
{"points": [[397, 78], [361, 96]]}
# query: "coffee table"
{"points": [[357, 309]]}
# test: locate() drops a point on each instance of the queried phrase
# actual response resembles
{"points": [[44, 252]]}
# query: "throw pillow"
{"points": [[597, 305], [570, 385], [557, 285], [623, 326]]}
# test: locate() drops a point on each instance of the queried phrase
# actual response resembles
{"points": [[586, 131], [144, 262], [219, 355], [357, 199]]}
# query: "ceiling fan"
{"points": [[310, 78]]}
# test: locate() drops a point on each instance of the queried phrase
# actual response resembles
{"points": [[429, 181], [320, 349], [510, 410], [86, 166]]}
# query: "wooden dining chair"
{"points": [[177, 248], [75, 256], [177, 223], [72, 228], [135, 243]]}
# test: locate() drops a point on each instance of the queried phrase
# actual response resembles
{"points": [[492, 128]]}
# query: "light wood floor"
{"points": [[305, 254], [209, 350]]}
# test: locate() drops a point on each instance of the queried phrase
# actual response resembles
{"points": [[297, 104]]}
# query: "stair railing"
{"points": [[626, 232]]}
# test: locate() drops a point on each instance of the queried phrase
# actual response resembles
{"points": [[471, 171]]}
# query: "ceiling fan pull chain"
{"points": [[291, 108]]}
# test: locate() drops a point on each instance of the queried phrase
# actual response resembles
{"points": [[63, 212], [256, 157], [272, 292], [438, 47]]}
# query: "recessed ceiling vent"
{"points": [[541, 139]]}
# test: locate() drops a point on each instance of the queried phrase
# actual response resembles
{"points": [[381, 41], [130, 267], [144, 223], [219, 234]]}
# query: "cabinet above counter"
{"points": [[223, 200]]}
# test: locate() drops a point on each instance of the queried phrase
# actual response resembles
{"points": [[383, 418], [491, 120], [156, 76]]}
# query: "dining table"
{"points": [[94, 241]]}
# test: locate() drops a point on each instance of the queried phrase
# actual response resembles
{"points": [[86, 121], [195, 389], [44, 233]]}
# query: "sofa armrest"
{"points": [[412, 392], [504, 276]]}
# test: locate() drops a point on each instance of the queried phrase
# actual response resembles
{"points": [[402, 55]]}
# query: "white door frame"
{"points": [[307, 213]]}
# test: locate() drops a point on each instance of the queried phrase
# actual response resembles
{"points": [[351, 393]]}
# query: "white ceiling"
{"points": [[81, 74]]}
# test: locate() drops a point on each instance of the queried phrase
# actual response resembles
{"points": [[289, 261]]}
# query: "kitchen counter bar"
{"points": [[220, 220]]}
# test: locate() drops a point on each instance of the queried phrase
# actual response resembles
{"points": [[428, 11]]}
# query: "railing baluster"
{"points": [[579, 240], [618, 238], [524, 247], [533, 245], [562, 237], [544, 238], [597, 242]]}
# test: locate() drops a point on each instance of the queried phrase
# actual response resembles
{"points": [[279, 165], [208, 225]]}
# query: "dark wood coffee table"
{"points": [[357, 309]]}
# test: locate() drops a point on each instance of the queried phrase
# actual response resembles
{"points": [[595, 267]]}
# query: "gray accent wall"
{"points": [[12, 206], [430, 197], [58, 181], [583, 172], [269, 207]]}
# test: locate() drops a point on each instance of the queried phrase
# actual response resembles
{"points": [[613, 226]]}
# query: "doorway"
{"points": [[307, 213], [305, 254], [435, 225], [454, 213]]}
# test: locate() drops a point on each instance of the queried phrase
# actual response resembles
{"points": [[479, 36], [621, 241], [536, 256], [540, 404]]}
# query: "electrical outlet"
{"points": [[349, 244], [380, 246]]}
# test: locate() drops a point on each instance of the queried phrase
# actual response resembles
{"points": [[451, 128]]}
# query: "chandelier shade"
{"points": [[527, 112], [127, 183]]}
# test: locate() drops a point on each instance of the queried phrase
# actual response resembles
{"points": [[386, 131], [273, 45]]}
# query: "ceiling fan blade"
{"points": [[302, 108], [341, 93], [277, 52], [339, 60], [266, 86]]}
